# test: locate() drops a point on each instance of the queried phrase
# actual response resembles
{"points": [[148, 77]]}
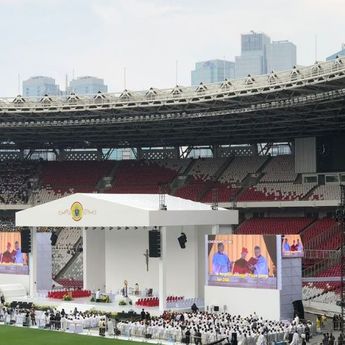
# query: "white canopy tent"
{"points": [[90, 211]]}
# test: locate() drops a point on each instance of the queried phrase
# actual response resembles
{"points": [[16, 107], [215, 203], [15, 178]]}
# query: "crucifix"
{"points": [[146, 254]]}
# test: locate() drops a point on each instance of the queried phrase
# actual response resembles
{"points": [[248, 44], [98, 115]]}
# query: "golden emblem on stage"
{"points": [[77, 211]]}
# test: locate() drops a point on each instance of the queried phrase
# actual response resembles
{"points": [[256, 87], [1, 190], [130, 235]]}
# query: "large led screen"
{"points": [[12, 260], [248, 261], [292, 246]]}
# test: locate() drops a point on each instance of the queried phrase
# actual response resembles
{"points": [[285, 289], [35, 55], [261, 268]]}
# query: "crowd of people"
{"points": [[15, 182], [188, 327]]}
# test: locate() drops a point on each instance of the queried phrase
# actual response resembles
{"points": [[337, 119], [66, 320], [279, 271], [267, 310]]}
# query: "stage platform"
{"points": [[83, 304]]}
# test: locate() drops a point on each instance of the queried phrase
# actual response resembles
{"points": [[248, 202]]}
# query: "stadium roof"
{"points": [[306, 101], [122, 210]]}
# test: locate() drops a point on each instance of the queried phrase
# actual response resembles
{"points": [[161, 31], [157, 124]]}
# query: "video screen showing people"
{"points": [[248, 261], [12, 260], [292, 246]]}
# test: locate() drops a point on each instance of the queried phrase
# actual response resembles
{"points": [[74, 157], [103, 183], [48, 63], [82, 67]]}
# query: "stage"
{"points": [[84, 304]]}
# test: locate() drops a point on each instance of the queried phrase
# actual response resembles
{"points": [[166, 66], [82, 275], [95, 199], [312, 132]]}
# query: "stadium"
{"points": [[242, 167]]}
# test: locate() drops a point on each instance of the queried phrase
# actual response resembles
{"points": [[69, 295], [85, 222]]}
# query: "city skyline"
{"points": [[103, 37]]}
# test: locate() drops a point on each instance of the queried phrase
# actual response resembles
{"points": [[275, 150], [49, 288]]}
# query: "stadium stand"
{"points": [[142, 177], [240, 167], [274, 225], [15, 181], [283, 191], [326, 192], [63, 251], [58, 179]]}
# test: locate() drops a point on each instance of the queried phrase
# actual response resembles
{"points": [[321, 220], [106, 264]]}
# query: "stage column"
{"points": [[162, 269], [33, 263], [94, 259]]}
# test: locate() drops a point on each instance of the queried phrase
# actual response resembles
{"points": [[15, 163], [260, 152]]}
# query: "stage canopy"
{"points": [[125, 210]]}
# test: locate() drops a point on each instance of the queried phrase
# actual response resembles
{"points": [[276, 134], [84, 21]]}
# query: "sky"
{"points": [[146, 37]]}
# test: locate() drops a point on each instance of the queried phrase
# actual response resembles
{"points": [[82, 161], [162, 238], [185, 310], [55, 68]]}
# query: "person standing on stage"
{"points": [[221, 262]]}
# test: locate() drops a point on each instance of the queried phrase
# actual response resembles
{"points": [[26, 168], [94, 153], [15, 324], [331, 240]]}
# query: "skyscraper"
{"points": [[212, 71], [87, 86], [260, 56], [340, 53], [281, 56], [253, 59], [39, 86]]}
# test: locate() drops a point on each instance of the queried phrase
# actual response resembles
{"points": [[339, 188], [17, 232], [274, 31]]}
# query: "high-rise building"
{"points": [[253, 59], [212, 71], [281, 56], [260, 56], [340, 53], [87, 86], [39, 86]]}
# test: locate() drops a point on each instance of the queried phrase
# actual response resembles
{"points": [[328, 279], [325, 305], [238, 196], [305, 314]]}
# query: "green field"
{"points": [[26, 336]]}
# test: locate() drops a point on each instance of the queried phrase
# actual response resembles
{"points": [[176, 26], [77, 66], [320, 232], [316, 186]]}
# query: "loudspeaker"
{"points": [[53, 238], [25, 236], [216, 308], [182, 240], [298, 309], [154, 244]]}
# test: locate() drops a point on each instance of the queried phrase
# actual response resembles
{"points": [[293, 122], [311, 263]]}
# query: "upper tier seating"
{"points": [[82, 176], [202, 171], [326, 192], [284, 191], [226, 192], [14, 181], [280, 169], [240, 167], [205, 168], [274, 225], [141, 177]]}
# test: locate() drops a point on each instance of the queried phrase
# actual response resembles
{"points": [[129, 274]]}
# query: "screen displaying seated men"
{"points": [[12, 260], [292, 246], [248, 261]]}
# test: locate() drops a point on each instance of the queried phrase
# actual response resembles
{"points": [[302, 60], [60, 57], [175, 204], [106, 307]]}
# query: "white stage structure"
{"points": [[115, 235]]}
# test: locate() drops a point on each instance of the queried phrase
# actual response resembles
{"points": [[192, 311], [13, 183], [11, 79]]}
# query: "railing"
{"points": [[296, 77], [328, 259]]}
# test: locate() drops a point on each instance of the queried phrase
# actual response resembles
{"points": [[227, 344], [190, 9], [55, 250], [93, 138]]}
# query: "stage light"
{"points": [[119, 228]]}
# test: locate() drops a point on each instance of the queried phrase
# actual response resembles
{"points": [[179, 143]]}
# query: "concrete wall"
{"points": [[305, 155], [291, 285]]}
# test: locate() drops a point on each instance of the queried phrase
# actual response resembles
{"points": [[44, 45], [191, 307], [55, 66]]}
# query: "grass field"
{"points": [[26, 336]]}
